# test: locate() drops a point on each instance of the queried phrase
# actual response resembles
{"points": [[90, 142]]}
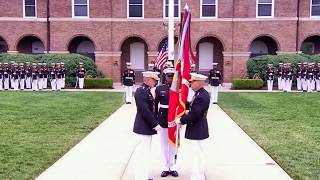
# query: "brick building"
{"points": [[113, 32]]}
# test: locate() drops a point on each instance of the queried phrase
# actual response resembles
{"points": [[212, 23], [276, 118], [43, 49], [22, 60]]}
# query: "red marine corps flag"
{"points": [[180, 84]]}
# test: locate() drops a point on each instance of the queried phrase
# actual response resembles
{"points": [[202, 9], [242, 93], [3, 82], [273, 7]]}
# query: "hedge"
{"points": [[98, 83], [247, 84], [71, 62], [258, 65]]}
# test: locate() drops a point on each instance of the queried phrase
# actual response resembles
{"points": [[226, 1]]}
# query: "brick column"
{"points": [[109, 63], [234, 65]]}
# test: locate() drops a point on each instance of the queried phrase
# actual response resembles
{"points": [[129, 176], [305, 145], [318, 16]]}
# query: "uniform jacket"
{"points": [[214, 77], [270, 73], [162, 99], [81, 72], [145, 119], [196, 119], [128, 77]]}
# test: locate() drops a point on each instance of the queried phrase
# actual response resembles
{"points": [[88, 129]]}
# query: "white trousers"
{"points": [[283, 85], [15, 84], [58, 83], [270, 85], [81, 82], [214, 93], [45, 83], [318, 84], [1, 84], [142, 157], [53, 84], [190, 94], [63, 83], [288, 84], [35, 85], [168, 151], [22, 83], [40, 83], [128, 90], [6, 83], [198, 159], [279, 83], [299, 85], [304, 84], [28, 82], [309, 85]]}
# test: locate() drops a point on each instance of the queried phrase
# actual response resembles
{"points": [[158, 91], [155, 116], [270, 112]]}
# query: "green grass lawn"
{"points": [[286, 125], [38, 128]]}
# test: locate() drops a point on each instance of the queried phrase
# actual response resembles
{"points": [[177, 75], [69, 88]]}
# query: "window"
{"points": [[208, 8], [30, 9], [80, 8], [176, 8], [315, 7], [265, 8], [135, 9]]}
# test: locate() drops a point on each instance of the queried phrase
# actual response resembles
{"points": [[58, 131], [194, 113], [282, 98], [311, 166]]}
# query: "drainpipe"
{"points": [[297, 28], [232, 39], [48, 27]]}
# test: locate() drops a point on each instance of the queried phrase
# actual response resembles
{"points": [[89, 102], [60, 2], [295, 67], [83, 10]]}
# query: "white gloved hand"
{"points": [[157, 128], [177, 121]]}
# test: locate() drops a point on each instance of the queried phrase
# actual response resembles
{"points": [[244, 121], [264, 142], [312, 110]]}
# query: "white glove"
{"points": [[177, 121], [157, 128]]}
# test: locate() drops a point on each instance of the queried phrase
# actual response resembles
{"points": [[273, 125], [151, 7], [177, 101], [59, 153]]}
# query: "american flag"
{"points": [[162, 56]]}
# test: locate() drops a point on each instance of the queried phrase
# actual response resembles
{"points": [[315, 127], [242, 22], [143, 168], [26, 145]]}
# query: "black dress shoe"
{"points": [[165, 173], [174, 173]]}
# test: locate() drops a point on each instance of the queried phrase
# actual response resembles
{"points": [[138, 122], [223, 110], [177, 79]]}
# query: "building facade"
{"points": [[114, 32]]}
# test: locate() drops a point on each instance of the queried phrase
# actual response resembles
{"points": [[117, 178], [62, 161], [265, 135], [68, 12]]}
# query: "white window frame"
{"points": [[88, 7], [257, 10], [311, 11], [128, 5], [209, 17], [24, 10], [164, 10]]}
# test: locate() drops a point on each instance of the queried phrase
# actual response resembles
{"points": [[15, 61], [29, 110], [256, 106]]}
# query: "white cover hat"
{"points": [[197, 77], [151, 74]]}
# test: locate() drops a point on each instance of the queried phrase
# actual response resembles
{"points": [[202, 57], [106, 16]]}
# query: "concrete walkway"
{"points": [[106, 153]]}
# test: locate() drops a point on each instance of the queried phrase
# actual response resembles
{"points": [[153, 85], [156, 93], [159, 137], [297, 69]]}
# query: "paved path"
{"points": [[106, 153]]}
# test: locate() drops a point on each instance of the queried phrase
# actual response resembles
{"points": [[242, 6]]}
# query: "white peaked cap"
{"points": [[169, 70], [151, 74], [197, 77]]}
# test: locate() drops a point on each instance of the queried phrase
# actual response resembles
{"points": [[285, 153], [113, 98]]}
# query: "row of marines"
{"points": [[35, 76], [307, 76]]}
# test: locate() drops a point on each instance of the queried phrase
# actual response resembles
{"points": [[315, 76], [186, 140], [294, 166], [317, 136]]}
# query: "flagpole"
{"points": [[171, 31]]}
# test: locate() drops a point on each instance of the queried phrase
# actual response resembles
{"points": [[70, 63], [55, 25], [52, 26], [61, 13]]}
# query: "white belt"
{"points": [[164, 106], [129, 77], [214, 78]]}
